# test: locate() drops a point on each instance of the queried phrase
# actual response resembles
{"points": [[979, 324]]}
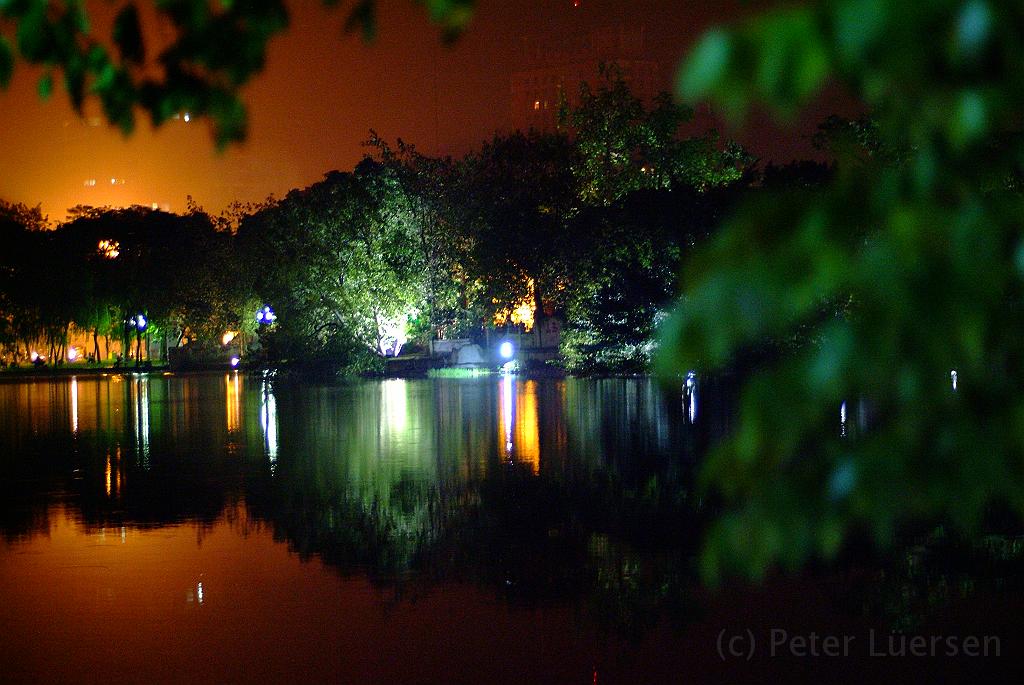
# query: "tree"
{"points": [[217, 47], [341, 264], [645, 196], [926, 247], [519, 191], [624, 145]]}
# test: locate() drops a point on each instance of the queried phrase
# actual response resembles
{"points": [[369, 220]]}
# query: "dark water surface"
{"points": [[227, 528]]}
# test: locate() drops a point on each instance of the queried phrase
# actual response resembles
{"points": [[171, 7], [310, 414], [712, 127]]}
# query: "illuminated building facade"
{"points": [[553, 68]]}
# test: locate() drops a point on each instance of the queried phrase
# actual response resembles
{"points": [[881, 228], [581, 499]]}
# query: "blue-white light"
{"points": [[234, 362], [266, 315], [506, 350]]}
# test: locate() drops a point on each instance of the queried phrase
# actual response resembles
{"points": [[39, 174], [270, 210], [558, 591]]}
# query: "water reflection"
{"points": [[74, 404], [268, 421], [139, 385], [233, 407], [399, 481]]}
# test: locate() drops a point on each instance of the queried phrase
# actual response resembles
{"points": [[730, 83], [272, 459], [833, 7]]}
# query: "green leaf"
{"points": [[706, 66], [970, 119], [45, 85], [128, 35], [35, 37]]}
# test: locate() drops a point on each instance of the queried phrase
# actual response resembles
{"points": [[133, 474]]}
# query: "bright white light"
{"points": [[506, 412], [266, 315], [952, 377], [234, 362], [268, 419], [506, 350], [34, 355], [141, 321], [72, 354], [187, 119], [74, 404], [842, 412], [690, 396], [228, 337]]}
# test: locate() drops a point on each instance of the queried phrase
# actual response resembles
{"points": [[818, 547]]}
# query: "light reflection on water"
{"points": [[124, 500]]}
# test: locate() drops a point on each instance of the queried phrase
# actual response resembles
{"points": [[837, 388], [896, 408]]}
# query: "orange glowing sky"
{"points": [[316, 101]]}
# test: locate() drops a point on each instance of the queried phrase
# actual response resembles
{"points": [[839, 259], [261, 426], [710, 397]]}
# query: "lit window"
{"points": [[536, 104]]}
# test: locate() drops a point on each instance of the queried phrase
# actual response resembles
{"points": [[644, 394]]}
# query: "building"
{"points": [[554, 67]]}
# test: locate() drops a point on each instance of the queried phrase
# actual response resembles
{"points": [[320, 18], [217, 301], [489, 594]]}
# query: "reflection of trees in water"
{"points": [[413, 484]]}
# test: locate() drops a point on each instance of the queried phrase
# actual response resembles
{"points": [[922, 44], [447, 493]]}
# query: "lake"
{"points": [[234, 528]]}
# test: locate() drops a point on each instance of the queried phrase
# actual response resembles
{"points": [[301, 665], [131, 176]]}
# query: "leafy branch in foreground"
{"points": [[924, 246], [215, 49]]}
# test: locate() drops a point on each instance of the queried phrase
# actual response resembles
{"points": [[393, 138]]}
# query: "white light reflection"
{"points": [[74, 405], [690, 396], [507, 383], [140, 423], [199, 592], [268, 420], [952, 378], [395, 401], [842, 418]]}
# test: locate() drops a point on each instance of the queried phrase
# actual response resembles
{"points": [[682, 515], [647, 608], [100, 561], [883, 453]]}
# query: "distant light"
{"points": [[34, 356], [952, 377], [506, 350], [109, 249], [234, 362], [187, 117], [113, 181], [72, 354], [140, 321], [228, 337]]}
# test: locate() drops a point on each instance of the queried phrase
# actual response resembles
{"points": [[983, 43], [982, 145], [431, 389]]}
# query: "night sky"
{"points": [[319, 96]]}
